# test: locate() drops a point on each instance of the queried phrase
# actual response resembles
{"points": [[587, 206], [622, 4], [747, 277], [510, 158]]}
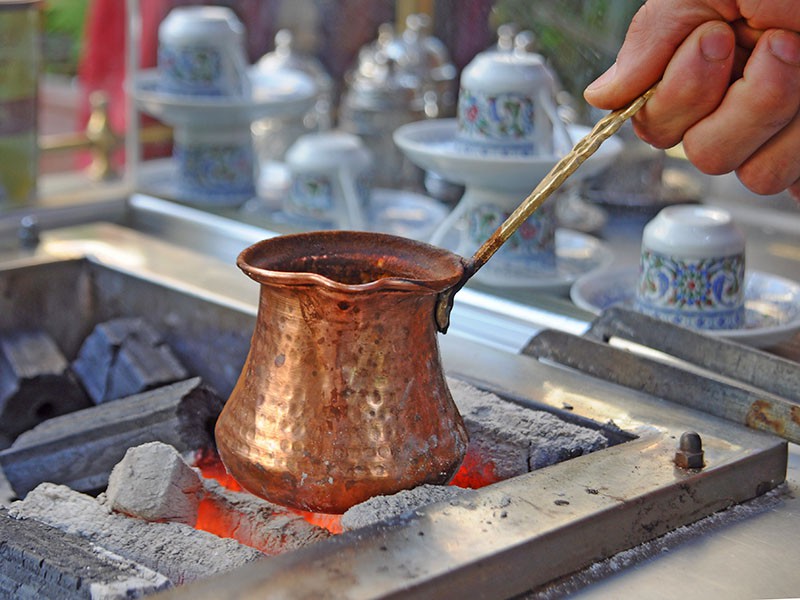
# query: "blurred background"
{"points": [[83, 43]]}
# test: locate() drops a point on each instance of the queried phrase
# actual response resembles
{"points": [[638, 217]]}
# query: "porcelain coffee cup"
{"points": [[506, 107], [215, 166], [201, 52], [330, 179], [529, 253], [692, 268]]}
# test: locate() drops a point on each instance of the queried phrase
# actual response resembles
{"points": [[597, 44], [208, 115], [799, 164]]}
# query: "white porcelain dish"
{"points": [[772, 303], [576, 255], [273, 95], [431, 145], [398, 212], [404, 213]]}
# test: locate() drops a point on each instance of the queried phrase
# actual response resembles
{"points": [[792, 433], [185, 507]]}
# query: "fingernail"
{"points": [[604, 79], [785, 45], [716, 44]]}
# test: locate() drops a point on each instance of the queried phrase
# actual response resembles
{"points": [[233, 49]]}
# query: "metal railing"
{"points": [[100, 139]]}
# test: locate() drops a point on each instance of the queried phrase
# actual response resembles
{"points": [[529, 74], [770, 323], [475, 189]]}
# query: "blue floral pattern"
{"points": [[194, 70], [502, 123], [216, 169], [534, 241], [701, 293], [312, 195]]}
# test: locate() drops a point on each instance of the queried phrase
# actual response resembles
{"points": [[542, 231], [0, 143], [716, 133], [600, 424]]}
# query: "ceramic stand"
{"points": [[214, 155], [537, 255]]}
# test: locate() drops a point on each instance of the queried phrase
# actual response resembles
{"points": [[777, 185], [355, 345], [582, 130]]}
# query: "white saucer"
{"points": [[273, 95], [573, 212], [397, 212], [576, 255], [772, 303], [162, 181], [404, 213], [431, 145], [678, 185]]}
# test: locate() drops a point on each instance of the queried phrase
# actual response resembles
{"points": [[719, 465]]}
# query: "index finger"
{"points": [[661, 26], [768, 14]]}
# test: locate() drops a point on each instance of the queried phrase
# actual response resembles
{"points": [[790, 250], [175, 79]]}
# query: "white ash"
{"points": [[270, 528], [143, 578], [518, 439], [381, 508], [570, 584], [177, 551], [154, 483], [7, 495]]}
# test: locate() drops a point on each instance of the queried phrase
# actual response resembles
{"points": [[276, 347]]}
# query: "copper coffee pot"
{"points": [[342, 396]]}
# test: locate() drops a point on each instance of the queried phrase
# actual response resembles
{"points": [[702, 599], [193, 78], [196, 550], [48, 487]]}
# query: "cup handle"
{"points": [[447, 224], [239, 76], [562, 140], [353, 217]]}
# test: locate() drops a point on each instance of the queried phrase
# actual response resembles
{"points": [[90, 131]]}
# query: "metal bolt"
{"points": [[28, 232], [690, 451]]}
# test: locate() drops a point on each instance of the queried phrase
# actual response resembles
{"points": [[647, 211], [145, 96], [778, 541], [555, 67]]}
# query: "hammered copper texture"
{"points": [[342, 396]]}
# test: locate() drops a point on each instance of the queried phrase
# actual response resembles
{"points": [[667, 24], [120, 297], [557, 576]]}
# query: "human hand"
{"points": [[729, 89]]}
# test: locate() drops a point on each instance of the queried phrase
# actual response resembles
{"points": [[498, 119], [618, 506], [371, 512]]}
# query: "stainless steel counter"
{"points": [[754, 553], [750, 552]]}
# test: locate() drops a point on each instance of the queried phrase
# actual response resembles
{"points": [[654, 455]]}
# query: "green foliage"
{"points": [[579, 38], [62, 27]]}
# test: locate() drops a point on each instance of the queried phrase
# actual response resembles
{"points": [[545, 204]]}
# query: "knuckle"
{"points": [[774, 100], [708, 160], [777, 112], [655, 133], [764, 178]]}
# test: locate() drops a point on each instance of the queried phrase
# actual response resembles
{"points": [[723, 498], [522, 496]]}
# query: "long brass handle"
{"points": [[583, 149]]}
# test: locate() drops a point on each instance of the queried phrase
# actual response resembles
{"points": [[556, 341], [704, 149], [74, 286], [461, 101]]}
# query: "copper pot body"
{"points": [[342, 396]]}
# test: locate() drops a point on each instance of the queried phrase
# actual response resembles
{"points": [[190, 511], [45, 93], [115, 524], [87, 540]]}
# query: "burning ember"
{"points": [[174, 516], [211, 467], [212, 520], [475, 472], [506, 440]]}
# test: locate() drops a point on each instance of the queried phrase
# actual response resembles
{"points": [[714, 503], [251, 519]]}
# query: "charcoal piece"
{"points": [[35, 382], [153, 482], [270, 528], [80, 449], [519, 439], [179, 552], [382, 508], [39, 561], [125, 356]]}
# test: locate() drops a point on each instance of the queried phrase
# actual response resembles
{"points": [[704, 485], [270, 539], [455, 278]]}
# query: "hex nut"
{"points": [[690, 451]]}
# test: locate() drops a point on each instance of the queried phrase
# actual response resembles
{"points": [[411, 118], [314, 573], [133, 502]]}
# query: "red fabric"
{"points": [[102, 64], [103, 61]]}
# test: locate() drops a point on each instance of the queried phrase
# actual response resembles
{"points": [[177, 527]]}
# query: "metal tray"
{"points": [[499, 541]]}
